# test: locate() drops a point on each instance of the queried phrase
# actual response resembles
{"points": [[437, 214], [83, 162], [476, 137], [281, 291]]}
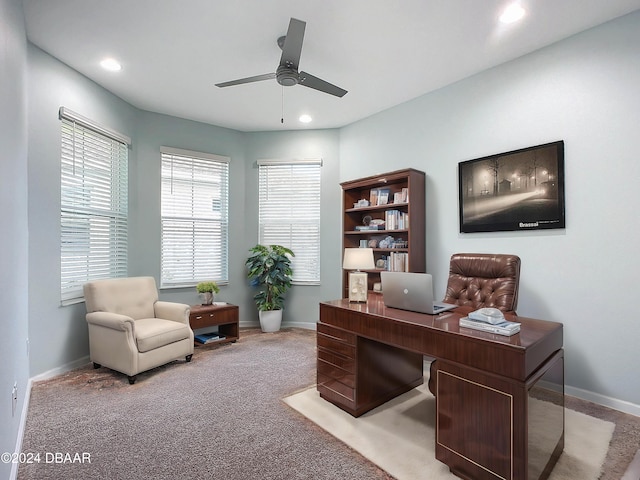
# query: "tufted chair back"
{"points": [[480, 280]]}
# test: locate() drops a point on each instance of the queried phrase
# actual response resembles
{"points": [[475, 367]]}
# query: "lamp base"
{"points": [[358, 287]]}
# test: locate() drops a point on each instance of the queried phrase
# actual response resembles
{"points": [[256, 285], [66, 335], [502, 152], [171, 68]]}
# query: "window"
{"points": [[289, 213], [93, 204], [195, 223]]}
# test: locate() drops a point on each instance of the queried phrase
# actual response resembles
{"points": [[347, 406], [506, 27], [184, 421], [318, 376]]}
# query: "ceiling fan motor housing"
{"points": [[286, 76]]}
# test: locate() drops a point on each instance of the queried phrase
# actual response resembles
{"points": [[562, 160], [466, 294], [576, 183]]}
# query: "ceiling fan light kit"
{"points": [[287, 73]]}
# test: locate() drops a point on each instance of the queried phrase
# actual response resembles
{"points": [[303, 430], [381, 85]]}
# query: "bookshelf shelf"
{"points": [[400, 185]]}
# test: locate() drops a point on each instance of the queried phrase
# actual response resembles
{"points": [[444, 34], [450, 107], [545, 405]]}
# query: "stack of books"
{"points": [[206, 338], [502, 327]]}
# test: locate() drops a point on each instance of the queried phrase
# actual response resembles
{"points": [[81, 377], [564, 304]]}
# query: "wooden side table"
{"points": [[225, 317]]}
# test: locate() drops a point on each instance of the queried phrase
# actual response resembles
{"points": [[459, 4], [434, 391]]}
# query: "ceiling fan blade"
{"points": [[308, 80], [292, 47], [240, 81]]}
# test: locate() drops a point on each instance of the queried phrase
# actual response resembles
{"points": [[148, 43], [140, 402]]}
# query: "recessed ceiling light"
{"points": [[305, 118], [111, 64], [512, 13]]}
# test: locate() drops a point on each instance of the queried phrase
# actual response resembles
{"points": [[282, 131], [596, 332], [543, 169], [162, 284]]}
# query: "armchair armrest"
{"points": [[178, 312], [114, 321]]}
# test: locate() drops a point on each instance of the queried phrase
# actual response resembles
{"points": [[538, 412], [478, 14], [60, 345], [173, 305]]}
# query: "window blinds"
{"points": [[289, 213], [195, 224], [93, 207]]}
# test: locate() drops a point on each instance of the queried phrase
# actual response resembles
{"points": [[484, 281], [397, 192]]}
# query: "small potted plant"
{"points": [[269, 267], [207, 290]]}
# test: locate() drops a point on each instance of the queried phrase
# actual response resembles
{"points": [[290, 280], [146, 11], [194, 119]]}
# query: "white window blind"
{"points": [[289, 213], [195, 223], [93, 206]]}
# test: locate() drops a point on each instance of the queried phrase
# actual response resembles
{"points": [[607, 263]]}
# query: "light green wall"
{"points": [[58, 335], [14, 234], [586, 91], [301, 307]]}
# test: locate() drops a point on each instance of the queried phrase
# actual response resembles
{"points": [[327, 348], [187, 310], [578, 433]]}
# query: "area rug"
{"points": [[399, 436]]}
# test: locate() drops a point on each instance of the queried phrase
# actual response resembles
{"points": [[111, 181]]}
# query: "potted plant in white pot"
{"points": [[269, 268], [207, 290]]}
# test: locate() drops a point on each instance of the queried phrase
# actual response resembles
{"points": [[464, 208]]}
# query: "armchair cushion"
{"points": [[133, 297], [152, 333]]}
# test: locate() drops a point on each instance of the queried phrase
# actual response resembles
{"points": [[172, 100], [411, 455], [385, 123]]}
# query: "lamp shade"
{"points": [[358, 259]]}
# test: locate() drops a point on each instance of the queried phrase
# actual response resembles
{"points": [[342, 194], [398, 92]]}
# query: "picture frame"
{"points": [[513, 191]]}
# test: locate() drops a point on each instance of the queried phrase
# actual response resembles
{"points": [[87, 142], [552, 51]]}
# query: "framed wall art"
{"points": [[518, 190]]}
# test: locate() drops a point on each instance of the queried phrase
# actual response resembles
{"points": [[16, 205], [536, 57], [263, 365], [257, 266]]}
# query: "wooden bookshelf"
{"points": [[409, 237]]}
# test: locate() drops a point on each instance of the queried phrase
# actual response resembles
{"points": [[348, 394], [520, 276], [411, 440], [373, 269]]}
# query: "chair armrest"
{"points": [[178, 312], [114, 321]]}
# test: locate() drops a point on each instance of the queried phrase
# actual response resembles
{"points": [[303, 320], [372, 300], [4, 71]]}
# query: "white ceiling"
{"points": [[384, 52]]}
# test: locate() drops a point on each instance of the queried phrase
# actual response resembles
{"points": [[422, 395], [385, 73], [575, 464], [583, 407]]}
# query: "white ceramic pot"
{"points": [[207, 298], [270, 320]]}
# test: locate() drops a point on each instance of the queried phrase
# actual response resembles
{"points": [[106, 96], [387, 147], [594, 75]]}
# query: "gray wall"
{"points": [[58, 335], [14, 234], [585, 91], [154, 131], [301, 308]]}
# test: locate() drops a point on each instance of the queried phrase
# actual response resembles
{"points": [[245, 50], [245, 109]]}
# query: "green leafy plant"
{"points": [[269, 267], [204, 287]]}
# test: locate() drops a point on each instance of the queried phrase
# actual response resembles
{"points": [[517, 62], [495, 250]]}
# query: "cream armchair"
{"points": [[130, 330]]}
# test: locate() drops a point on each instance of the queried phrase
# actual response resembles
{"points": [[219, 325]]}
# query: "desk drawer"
{"points": [[336, 346], [335, 390], [337, 333], [329, 370], [340, 361]]}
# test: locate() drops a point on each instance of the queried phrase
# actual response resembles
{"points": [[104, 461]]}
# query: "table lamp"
{"points": [[356, 259]]}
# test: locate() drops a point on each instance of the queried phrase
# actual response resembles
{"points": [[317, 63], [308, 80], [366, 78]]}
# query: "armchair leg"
{"points": [[96, 365], [132, 379], [188, 358]]}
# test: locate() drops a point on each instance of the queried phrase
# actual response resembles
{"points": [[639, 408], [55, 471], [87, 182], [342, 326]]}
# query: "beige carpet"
{"points": [[399, 436]]}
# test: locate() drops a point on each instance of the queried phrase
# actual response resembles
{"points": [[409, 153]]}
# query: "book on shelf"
{"points": [[210, 337], [506, 327], [366, 228], [383, 196], [398, 262], [396, 220]]}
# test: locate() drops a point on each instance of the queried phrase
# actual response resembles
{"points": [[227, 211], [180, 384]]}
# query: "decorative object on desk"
{"points": [[269, 267], [377, 287], [207, 290], [357, 259]]}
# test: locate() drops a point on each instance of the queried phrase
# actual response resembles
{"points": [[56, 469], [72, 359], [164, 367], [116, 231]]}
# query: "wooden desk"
{"points": [[499, 400]]}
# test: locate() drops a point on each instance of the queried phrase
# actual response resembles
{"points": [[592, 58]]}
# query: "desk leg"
{"points": [[486, 424]]}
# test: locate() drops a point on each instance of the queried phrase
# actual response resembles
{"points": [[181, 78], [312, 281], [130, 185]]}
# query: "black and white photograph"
{"points": [[518, 190]]}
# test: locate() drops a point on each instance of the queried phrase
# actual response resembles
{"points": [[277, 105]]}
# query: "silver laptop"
{"points": [[411, 291]]}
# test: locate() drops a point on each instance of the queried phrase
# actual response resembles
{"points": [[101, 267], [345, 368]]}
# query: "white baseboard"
{"points": [[67, 367], [620, 405]]}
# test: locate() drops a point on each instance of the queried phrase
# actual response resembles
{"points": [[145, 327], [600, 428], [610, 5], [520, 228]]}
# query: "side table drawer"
{"points": [[210, 319]]}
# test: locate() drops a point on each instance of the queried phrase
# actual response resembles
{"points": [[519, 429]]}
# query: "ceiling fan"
{"points": [[287, 73]]}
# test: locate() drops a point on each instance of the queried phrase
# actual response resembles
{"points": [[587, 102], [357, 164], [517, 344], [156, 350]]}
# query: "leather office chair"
{"points": [[478, 280], [130, 330]]}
